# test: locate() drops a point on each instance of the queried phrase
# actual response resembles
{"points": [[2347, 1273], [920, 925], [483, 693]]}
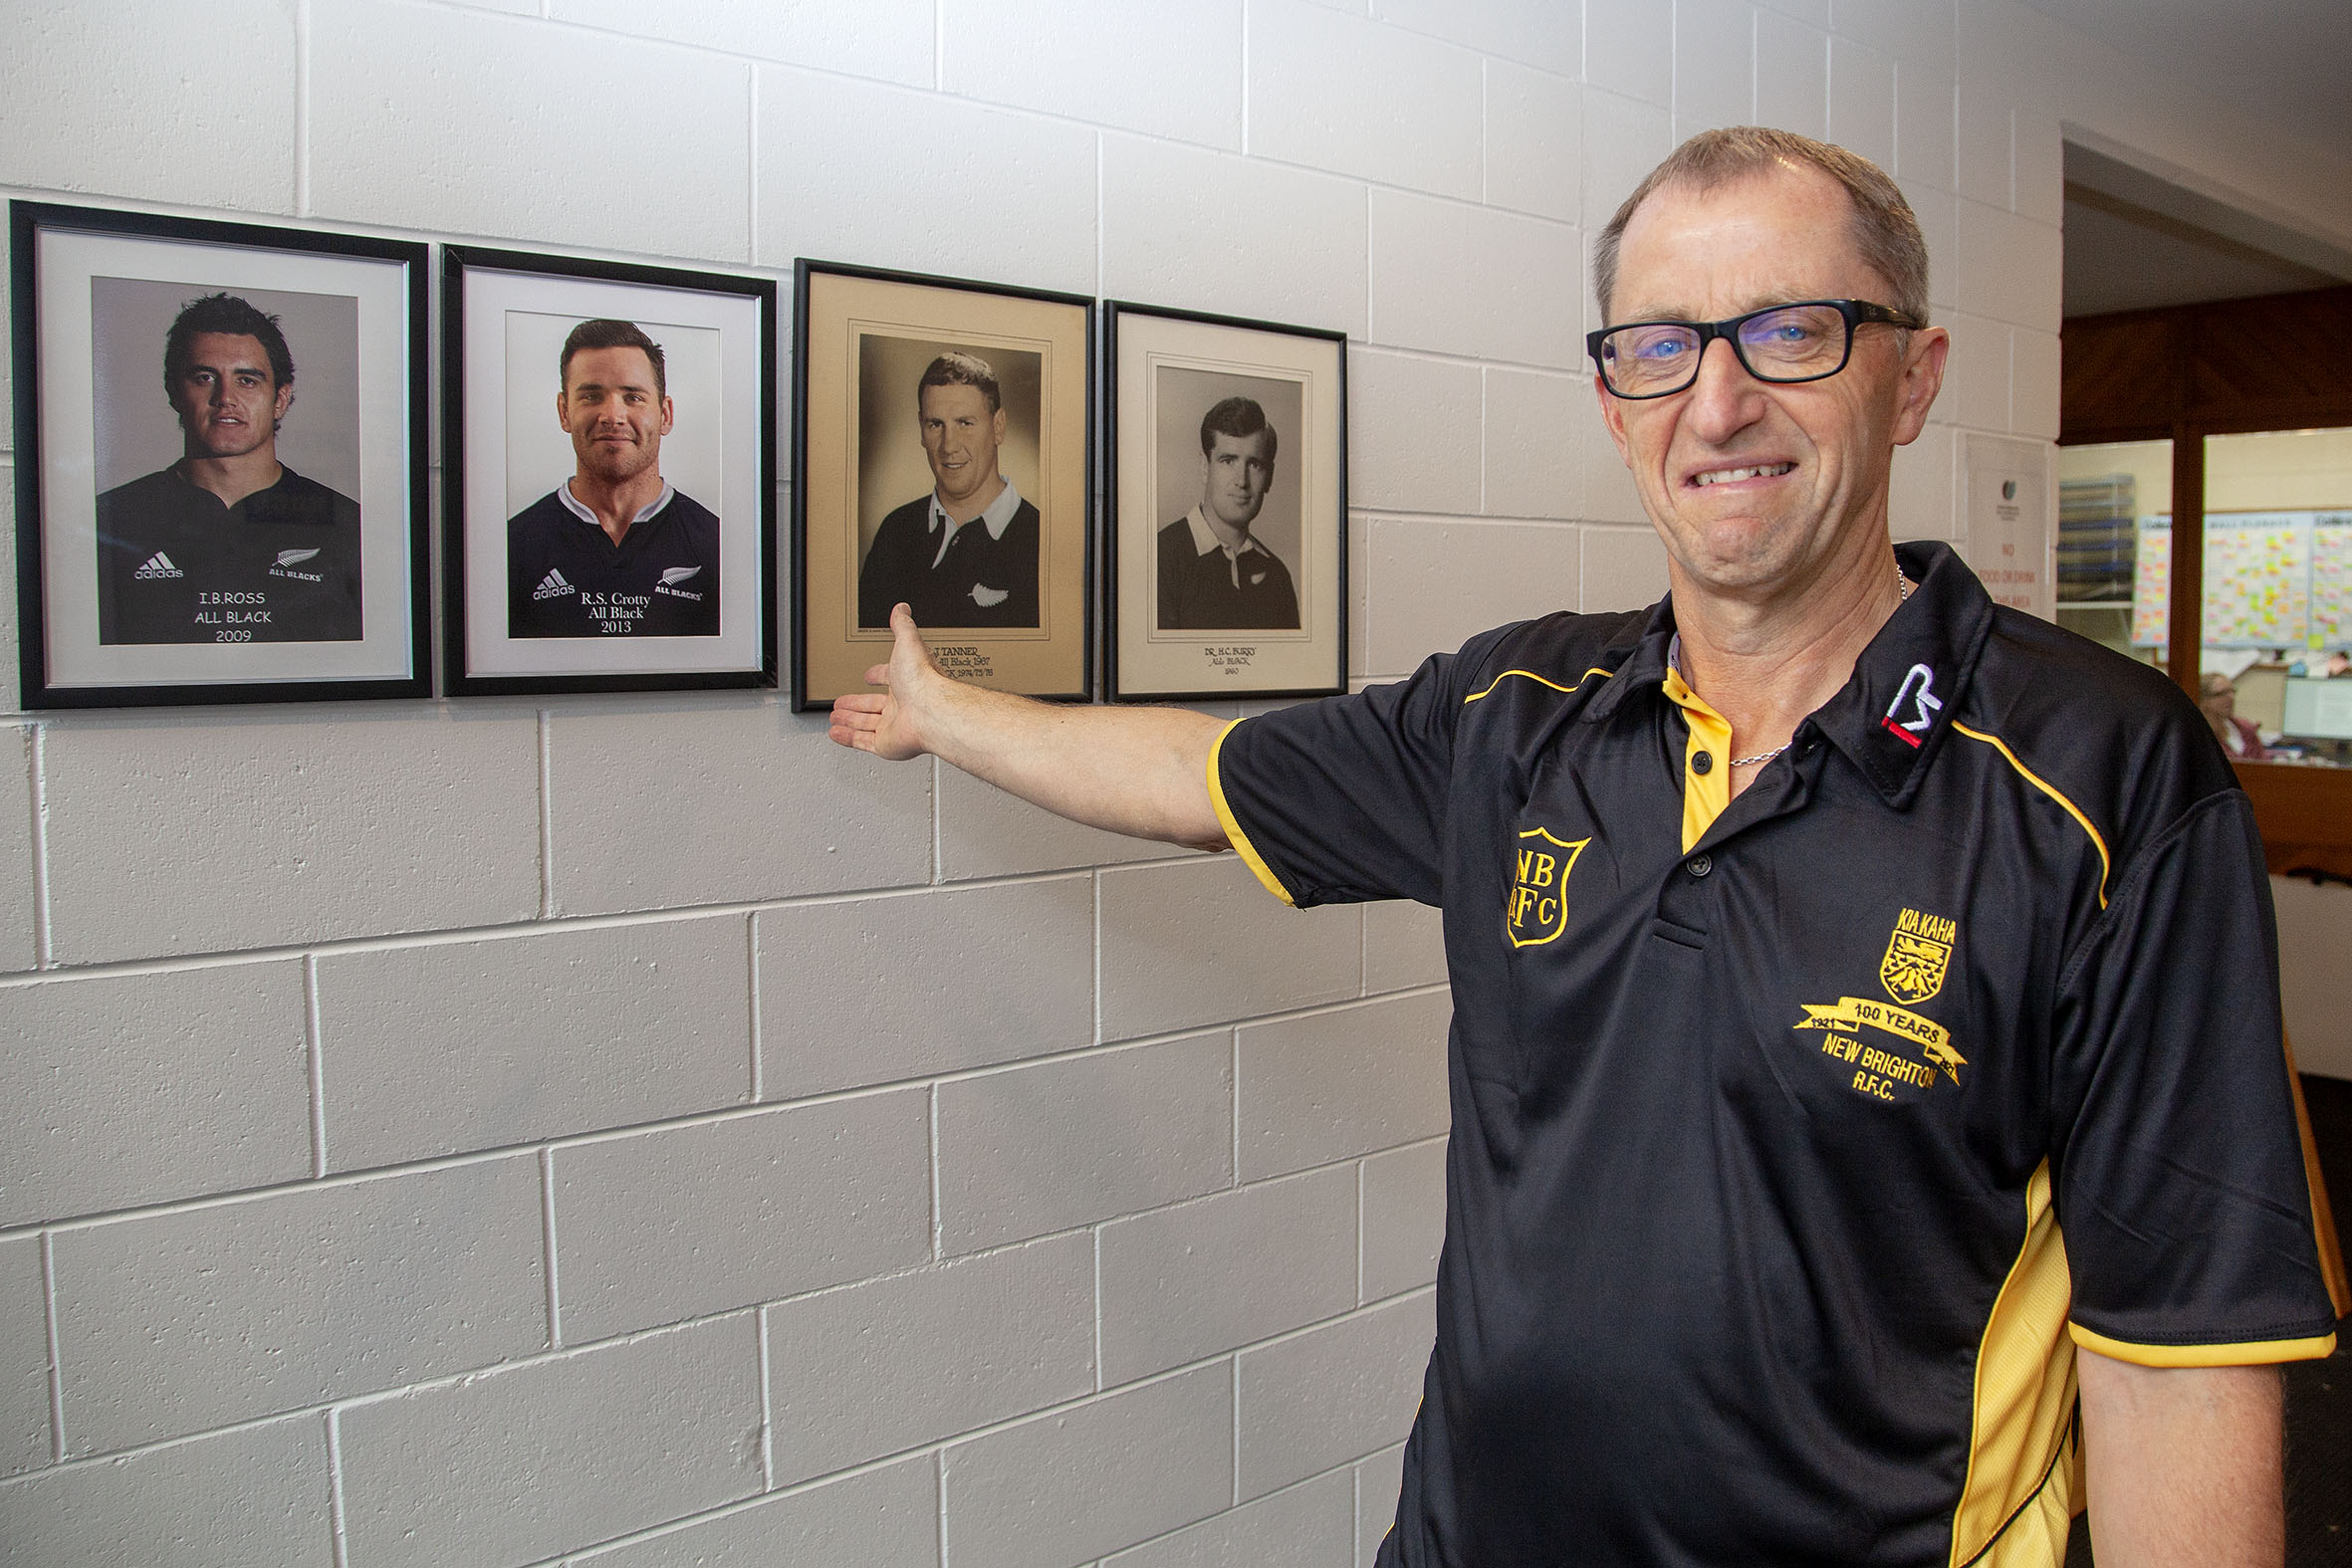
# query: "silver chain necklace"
{"points": [[1902, 593]]}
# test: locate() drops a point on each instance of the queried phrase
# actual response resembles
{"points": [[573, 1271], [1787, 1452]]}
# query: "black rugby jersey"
{"points": [[567, 578], [177, 564], [1798, 1140]]}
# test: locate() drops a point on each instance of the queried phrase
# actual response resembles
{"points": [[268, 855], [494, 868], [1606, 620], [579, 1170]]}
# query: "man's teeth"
{"points": [[1726, 476]]}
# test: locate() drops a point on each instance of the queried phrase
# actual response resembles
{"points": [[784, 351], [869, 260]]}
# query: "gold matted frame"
{"points": [[861, 337]]}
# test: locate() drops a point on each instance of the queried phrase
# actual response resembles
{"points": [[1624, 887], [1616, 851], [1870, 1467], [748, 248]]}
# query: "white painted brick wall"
{"points": [[628, 1130]]}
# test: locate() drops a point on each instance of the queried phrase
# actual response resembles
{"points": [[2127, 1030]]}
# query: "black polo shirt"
{"points": [[565, 577], [1794, 1137]]}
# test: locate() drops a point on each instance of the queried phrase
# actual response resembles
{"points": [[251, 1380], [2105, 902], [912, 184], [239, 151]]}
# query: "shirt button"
{"points": [[1702, 761], [1699, 865]]}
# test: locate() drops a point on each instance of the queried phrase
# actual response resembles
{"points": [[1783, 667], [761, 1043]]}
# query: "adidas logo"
{"points": [[674, 576], [552, 585], [294, 557], [159, 566]]}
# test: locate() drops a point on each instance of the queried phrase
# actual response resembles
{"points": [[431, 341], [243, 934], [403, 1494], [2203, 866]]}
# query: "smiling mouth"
{"points": [[1732, 476]]}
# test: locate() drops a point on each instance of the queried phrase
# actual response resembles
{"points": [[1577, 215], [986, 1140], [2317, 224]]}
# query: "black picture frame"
{"points": [[1158, 363], [719, 332], [90, 286], [845, 315]]}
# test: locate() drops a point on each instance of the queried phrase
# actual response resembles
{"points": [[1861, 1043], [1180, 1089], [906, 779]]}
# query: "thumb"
{"points": [[906, 643]]}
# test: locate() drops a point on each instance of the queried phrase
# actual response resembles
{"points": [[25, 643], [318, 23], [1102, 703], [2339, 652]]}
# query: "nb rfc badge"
{"points": [[1918, 953], [1538, 912]]}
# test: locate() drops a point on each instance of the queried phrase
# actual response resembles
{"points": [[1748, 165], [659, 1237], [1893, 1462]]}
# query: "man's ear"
{"points": [[1921, 378], [284, 401]]}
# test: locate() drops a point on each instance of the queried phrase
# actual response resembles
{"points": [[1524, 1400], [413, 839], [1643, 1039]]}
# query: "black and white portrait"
{"points": [[1222, 565]]}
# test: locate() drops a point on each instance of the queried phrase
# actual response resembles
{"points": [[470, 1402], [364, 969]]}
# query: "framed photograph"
{"points": [[1228, 503], [220, 461], [943, 460], [611, 447]]}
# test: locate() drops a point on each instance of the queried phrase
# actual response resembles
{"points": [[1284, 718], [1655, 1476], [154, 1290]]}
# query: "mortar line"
{"points": [[546, 815], [302, 108], [57, 1372], [547, 1223], [751, 945], [335, 1499], [1099, 1309], [1245, 19], [938, 836], [938, 46], [767, 1408], [314, 1041], [1233, 1107], [1235, 1363], [751, 166], [37, 762], [938, 1218]]}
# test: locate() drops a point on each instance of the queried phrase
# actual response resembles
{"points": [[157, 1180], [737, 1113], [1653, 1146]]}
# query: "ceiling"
{"points": [[2121, 256]]}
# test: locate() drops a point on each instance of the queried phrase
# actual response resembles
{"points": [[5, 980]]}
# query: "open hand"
{"points": [[884, 721]]}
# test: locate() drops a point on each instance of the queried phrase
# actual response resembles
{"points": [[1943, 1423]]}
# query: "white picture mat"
{"points": [[66, 261], [713, 373], [1305, 659]]}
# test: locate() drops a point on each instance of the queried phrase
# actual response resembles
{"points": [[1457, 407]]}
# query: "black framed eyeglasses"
{"points": [[1804, 341]]}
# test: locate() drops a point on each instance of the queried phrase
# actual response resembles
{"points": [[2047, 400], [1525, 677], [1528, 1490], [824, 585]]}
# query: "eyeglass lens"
{"points": [[1793, 343]]}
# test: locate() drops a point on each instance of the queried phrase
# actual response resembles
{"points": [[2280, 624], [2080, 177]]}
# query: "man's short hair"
{"points": [[961, 369], [1239, 417], [1884, 231], [225, 313], [603, 333]]}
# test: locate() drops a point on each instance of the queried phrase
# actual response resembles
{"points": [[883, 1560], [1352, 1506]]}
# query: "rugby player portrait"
{"points": [[1213, 575], [927, 553], [615, 551], [228, 543]]}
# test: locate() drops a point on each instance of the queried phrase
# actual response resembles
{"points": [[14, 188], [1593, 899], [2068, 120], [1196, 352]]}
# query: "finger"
{"points": [[860, 703], [878, 675]]}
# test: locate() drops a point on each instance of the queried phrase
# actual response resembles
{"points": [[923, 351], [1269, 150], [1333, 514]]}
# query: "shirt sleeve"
{"points": [[2181, 1187], [1343, 800]]}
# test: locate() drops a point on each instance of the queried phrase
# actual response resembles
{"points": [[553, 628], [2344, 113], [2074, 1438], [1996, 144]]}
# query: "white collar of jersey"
{"points": [[996, 518], [1206, 542], [571, 504]]}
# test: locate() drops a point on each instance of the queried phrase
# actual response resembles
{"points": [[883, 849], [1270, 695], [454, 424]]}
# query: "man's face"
{"points": [[615, 418], [228, 401], [1236, 474], [960, 438], [1754, 486]]}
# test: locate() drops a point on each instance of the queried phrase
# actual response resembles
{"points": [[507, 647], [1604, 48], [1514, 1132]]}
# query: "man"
{"points": [[615, 550], [227, 545], [1865, 1013], [1213, 575], [926, 553]]}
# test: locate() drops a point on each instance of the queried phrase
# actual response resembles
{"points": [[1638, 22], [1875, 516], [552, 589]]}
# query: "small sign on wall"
{"points": [[2009, 522]]}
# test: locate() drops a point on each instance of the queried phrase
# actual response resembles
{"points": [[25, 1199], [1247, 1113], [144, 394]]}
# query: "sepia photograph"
{"points": [[943, 452], [219, 505], [610, 430], [1228, 504]]}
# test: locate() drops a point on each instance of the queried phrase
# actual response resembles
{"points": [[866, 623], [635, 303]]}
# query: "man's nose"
{"points": [[1723, 398]]}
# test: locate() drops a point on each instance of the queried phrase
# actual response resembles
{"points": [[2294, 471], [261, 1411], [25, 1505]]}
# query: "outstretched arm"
{"points": [[2184, 1463], [1143, 771]]}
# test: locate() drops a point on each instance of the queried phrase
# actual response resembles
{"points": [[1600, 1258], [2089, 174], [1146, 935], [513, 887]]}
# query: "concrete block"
{"points": [[10, 667], [1926, 126], [2034, 383], [1065, 1142], [880, 990], [1984, 143], [1379, 1482], [1434, 585], [205, 833], [180, 1322], [1920, 489], [1339, 1084], [1404, 944], [1331, 1394], [1404, 1198], [896, 1363], [24, 1357], [17, 886], [1624, 568], [888, 38], [885, 1518], [1816, 12], [1532, 469], [131, 104], [1715, 61], [1310, 1526], [1524, 309], [1414, 442], [985, 832], [1158, 70], [955, 187], [1791, 75], [750, 803], [1977, 373], [1168, 235], [1609, 493], [1359, 613], [255, 1497], [1907, 31], [536, 1460], [1198, 942], [1624, 139], [1066, 1489], [2041, 263], [1535, 142], [123, 1089], [1997, 256], [1938, 212], [441, 1048], [495, 147], [1356, 97], [685, 1221], [1862, 102], [2037, 167], [1206, 1277], [1629, 49], [1538, 33]]}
